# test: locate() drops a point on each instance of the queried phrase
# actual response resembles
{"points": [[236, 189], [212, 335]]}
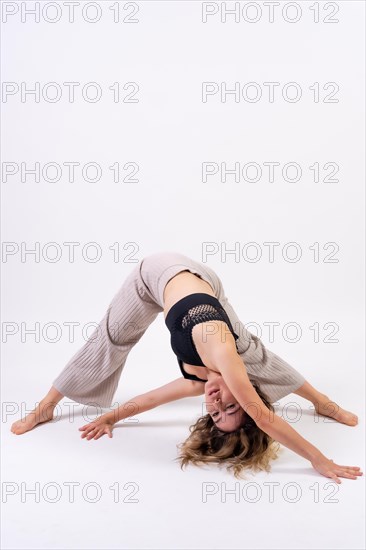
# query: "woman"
{"points": [[217, 356]]}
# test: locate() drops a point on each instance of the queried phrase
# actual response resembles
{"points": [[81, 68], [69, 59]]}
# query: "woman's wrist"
{"points": [[110, 417], [310, 452], [315, 454]]}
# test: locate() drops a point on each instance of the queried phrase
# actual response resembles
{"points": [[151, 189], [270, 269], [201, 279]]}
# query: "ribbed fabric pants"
{"points": [[92, 374]]}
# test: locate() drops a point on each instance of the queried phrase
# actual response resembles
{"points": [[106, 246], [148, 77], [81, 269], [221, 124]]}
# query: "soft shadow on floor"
{"points": [[153, 424]]}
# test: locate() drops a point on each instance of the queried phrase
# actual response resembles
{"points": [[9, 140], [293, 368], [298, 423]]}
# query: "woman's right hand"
{"points": [[97, 428], [328, 468]]}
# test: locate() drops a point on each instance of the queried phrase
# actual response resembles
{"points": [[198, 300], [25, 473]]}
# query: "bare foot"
{"points": [[329, 408], [42, 413]]}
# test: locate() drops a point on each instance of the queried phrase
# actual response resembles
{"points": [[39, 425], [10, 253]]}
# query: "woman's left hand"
{"points": [[328, 468]]}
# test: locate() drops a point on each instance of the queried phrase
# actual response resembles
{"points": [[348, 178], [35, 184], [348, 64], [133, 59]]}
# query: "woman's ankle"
{"points": [[322, 400], [45, 408]]}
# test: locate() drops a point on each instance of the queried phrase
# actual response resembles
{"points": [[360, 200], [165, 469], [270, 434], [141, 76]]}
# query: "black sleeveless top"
{"points": [[183, 316]]}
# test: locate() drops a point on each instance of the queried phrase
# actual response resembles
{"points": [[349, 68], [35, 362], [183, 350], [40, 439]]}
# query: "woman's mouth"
{"points": [[212, 392]]}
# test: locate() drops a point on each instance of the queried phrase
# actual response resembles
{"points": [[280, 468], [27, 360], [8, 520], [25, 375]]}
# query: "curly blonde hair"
{"points": [[246, 447]]}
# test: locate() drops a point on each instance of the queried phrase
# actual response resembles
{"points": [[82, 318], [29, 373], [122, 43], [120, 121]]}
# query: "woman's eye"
{"points": [[228, 407]]}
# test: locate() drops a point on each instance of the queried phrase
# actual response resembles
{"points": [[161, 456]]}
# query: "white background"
{"points": [[169, 133]]}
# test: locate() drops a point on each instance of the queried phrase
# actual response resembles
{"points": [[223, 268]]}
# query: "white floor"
{"points": [[130, 494]]}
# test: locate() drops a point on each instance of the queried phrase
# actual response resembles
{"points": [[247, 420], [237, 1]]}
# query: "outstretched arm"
{"points": [[223, 356], [177, 389]]}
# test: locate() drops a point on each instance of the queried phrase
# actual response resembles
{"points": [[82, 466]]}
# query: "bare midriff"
{"points": [[178, 287]]}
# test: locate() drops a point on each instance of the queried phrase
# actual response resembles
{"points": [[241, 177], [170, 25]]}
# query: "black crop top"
{"points": [[191, 310]]}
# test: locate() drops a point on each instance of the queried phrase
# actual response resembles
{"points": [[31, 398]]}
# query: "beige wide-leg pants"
{"points": [[92, 374]]}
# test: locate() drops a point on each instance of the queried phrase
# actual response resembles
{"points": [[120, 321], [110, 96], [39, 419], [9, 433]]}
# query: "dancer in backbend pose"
{"points": [[217, 356]]}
